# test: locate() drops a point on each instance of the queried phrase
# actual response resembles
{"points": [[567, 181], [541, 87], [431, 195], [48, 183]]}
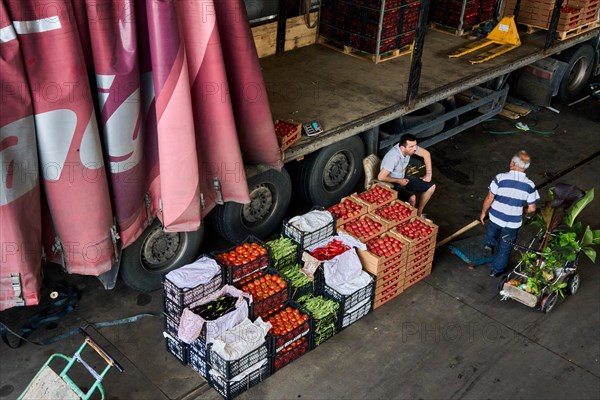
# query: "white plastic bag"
{"points": [[344, 273], [240, 340], [197, 273], [311, 221]]}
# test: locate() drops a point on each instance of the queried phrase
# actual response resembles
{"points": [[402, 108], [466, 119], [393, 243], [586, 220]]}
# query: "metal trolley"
{"points": [[547, 298], [47, 384]]}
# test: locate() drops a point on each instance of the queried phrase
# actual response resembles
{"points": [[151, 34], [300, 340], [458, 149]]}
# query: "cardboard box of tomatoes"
{"points": [[244, 259], [386, 247], [348, 209], [365, 228], [396, 212], [377, 196], [287, 132], [417, 232]]}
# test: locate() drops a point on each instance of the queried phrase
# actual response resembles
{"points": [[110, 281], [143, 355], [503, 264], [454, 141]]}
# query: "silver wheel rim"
{"points": [[262, 202], [337, 171], [577, 73], [550, 302], [159, 248], [574, 284]]}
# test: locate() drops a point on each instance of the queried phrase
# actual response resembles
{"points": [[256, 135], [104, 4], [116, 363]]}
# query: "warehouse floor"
{"points": [[449, 336]]}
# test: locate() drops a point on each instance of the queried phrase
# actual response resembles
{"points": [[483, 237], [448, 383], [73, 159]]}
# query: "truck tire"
{"points": [[270, 195], [416, 118], [332, 172], [155, 253], [581, 62]]}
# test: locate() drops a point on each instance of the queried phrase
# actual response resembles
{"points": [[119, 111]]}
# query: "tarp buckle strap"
{"points": [[148, 201], [15, 282], [57, 247], [217, 187], [202, 201], [114, 235]]}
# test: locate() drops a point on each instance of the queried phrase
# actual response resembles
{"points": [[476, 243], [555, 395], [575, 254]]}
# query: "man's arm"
{"points": [[487, 203], [427, 158], [384, 176]]}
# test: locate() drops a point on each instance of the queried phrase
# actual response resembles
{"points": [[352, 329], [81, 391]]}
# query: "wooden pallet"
{"points": [[562, 35], [363, 55], [454, 31]]}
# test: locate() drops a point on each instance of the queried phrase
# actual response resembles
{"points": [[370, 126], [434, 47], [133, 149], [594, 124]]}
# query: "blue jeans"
{"points": [[502, 250]]}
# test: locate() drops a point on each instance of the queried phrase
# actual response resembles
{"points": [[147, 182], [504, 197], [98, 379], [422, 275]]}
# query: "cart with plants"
{"points": [[547, 269]]}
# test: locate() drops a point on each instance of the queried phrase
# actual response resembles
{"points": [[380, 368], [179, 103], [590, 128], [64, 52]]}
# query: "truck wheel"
{"points": [[573, 284], [270, 195], [416, 118], [548, 302], [580, 62], [332, 173], [157, 252]]}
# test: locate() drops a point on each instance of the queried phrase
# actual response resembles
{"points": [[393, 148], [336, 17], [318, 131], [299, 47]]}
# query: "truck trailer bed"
{"points": [[348, 95]]}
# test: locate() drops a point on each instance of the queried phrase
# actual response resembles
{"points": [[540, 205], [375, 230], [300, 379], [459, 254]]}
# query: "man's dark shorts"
{"points": [[415, 185]]}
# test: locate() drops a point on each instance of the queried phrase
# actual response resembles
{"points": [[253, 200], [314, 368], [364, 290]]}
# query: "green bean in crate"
{"points": [[284, 252], [300, 283], [324, 312]]}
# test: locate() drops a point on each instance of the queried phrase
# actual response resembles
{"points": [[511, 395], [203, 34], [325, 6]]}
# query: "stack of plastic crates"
{"points": [[461, 15], [353, 306]]}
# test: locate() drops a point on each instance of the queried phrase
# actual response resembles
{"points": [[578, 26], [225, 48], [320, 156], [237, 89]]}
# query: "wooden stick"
{"points": [[459, 232]]}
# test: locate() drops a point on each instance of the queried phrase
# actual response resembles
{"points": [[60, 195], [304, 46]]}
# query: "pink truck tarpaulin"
{"points": [[167, 112]]}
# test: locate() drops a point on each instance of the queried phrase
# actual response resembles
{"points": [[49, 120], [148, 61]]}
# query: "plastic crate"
{"points": [[291, 353], [282, 340], [181, 298], [198, 363], [234, 273], [259, 308], [321, 336], [315, 286], [230, 369], [282, 261], [347, 302], [230, 389], [177, 348], [307, 239], [353, 316]]}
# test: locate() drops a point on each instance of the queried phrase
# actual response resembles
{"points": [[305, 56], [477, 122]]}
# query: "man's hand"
{"points": [[482, 218], [403, 181], [427, 177]]}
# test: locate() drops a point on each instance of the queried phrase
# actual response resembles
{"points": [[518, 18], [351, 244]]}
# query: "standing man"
{"points": [[511, 195], [393, 168]]}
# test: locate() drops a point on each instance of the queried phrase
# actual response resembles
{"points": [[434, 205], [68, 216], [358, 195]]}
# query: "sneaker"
{"points": [[488, 251], [495, 274]]}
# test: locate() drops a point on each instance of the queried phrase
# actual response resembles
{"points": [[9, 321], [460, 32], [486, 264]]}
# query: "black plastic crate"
{"points": [[198, 363], [349, 301], [280, 341], [233, 272], [351, 317], [307, 239], [314, 287], [321, 336], [291, 353], [291, 257], [182, 298], [229, 389], [230, 369], [177, 348], [263, 307]]}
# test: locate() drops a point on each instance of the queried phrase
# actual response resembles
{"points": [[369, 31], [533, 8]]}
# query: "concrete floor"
{"points": [[449, 336]]}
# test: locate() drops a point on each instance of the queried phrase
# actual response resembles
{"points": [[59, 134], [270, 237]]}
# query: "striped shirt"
{"points": [[512, 191]]}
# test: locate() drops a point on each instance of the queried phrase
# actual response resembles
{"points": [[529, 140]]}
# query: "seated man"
{"points": [[393, 168]]}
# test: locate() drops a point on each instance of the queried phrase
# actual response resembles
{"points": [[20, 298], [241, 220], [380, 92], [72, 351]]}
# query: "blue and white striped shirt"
{"points": [[512, 191]]}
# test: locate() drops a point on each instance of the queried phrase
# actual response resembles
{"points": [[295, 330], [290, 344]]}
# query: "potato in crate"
{"points": [[269, 290], [190, 283], [244, 259], [310, 228]]}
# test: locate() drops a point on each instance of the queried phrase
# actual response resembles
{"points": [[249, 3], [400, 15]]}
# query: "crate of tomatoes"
{"points": [[244, 259], [382, 249], [347, 209], [377, 195], [287, 132], [418, 232], [269, 290], [395, 213], [289, 323], [366, 227]]}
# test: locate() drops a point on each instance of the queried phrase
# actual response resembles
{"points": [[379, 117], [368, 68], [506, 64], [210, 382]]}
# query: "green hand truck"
{"points": [[47, 384]]}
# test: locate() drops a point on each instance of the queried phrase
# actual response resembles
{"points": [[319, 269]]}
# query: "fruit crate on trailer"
{"points": [[460, 16], [234, 269], [307, 239]]}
